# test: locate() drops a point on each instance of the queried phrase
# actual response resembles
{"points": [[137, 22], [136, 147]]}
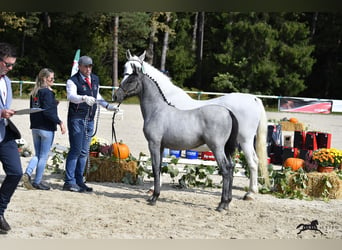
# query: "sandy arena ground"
{"points": [[119, 211]]}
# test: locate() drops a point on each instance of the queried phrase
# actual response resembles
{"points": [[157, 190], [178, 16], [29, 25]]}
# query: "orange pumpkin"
{"points": [[120, 150], [293, 120], [294, 163]]}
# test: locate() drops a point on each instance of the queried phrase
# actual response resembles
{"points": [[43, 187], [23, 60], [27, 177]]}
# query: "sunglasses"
{"points": [[7, 64]]}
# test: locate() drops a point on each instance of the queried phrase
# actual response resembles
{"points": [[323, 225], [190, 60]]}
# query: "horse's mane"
{"points": [[159, 89], [141, 71], [164, 81]]}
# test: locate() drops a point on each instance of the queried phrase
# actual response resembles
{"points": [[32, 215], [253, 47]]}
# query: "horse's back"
{"points": [[245, 106], [190, 128]]}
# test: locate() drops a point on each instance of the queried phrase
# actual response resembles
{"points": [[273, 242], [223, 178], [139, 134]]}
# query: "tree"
{"points": [[115, 51], [261, 53], [181, 58], [167, 31], [325, 80]]}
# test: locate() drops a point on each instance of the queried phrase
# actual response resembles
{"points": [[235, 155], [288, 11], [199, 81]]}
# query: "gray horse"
{"points": [[248, 109], [168, 127]]}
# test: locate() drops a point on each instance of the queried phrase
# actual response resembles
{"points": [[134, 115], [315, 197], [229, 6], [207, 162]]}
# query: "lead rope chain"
{"points": [[87, 135], [87, 138], [114, 133]]}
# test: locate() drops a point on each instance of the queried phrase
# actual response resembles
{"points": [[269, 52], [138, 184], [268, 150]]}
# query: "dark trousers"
{"points": [[10, 159]]}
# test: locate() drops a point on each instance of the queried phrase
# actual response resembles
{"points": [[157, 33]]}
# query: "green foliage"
{"points": [[260, 53], [282, 189], [58, 159], [327, 185], [339, 174], [272, 53], [197, 176]]}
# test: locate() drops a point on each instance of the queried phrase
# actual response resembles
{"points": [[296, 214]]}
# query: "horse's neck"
{"points": [[175, 95], [151, 98]]}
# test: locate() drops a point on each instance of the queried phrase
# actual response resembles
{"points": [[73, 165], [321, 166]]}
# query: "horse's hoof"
{"points": [[248, 197], [221, 207], [151, 202]]}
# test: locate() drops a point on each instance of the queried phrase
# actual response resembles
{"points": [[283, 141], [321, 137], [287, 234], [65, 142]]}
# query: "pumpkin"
{"points": [[120, 150], [293, 120], [294, 163]]}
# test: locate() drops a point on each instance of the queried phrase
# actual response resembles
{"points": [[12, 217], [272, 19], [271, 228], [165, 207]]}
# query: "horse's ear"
{"points": [[128, 54], [142, 56]]}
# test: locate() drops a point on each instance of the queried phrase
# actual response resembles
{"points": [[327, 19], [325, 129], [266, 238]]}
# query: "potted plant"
{"points": [[94, 148], [327, 159]]}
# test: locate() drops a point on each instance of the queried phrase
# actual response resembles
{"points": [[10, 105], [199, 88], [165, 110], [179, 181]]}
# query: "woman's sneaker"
{"points": [[27, 181], [41, 186]]}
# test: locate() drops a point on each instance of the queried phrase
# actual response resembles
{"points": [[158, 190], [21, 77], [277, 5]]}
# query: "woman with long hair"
{"points": [[43, 126]]}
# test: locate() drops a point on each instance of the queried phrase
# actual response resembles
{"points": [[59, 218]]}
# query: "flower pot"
{"points": [[94, 154], [325, 169]]}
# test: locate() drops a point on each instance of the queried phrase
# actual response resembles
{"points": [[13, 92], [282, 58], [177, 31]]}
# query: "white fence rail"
{"points": [[337, 104]]}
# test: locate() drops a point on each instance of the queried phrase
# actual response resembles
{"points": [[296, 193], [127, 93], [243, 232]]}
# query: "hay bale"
{"points": [[290, 126], [316, 185], [110, 170]]}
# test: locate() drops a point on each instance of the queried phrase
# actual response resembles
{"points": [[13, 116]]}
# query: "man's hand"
{"points": [[112, 107], [89, 100], [7, 113]]}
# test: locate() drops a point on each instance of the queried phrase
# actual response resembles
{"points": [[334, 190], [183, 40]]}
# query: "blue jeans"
{"points": [[80, 132], [42, 141]]}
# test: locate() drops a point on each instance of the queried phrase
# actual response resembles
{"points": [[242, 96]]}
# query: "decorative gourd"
{"points": [[293, 120], [294, 163], [120, 150]]}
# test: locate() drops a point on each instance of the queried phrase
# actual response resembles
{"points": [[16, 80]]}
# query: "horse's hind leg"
{"points": [[227, 171], [252, 161]]}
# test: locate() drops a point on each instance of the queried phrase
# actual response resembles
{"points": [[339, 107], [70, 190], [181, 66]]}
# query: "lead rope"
{"points": [[87, 138], [87, 135], [97, 120], [113, 131]]}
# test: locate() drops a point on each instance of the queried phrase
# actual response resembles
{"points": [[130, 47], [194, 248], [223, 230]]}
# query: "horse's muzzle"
{"points": [[119, 95]]}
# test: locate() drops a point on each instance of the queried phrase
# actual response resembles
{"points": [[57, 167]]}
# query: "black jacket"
{"points": [[47, 119], [83, 110]]}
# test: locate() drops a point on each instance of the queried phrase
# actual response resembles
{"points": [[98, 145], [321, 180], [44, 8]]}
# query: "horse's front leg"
{"points": [[227, 169], [156, 157]]}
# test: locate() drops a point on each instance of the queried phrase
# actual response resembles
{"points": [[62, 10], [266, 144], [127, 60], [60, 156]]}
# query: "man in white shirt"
{"points": [[83, 94]]}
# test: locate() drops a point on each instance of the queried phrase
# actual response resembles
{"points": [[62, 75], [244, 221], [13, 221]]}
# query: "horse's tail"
{"points": [[260, 143], [300, 225], [232, 140]]}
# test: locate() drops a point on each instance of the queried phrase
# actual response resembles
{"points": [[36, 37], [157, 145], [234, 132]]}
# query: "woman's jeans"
{"points": [[80, 132], [42, 141]]}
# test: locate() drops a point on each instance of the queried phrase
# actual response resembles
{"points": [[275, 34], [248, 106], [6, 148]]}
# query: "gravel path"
{"points": [[119, 211]]}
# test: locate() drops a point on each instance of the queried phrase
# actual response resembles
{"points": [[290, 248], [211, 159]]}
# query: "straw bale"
{"points": [[109, 170], [290, 126], [315, 185]]}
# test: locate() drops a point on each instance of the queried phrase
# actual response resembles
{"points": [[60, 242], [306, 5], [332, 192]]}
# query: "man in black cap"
{"points": [[83, 94]]}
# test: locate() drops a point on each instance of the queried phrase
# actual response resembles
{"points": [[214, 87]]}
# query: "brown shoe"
{"points": [[27, 181]]}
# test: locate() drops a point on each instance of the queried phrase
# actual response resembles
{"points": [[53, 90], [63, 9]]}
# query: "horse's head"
{"points": [[132, 60], [171, 92], [314, 222], [131, 86]]}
